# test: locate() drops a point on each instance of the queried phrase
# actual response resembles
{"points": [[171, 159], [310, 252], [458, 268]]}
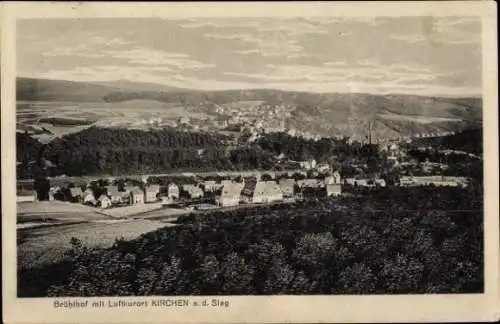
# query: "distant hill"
{"points": [[324, 113], [138, 86], [28, 89]]}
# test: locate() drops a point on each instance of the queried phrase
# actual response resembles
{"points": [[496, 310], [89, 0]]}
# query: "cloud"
{"points": [[109, 41], [226, 36], [81, 50], [147, 56], [320, 54], [92, 47], [220, 23], [363, 72], [443, 30], [293, 28], [264, 44]]}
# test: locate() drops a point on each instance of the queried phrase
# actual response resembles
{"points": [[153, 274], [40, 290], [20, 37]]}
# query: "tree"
{"points": [[210, 275], [314, 252], [236, 275], [168, 277], [266, 177], [356, 279], [279, 278], [401, 274]]}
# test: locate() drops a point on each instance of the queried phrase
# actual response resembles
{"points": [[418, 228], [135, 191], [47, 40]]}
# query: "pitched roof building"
{"points": [[104, 201], [136, 195], [312, 183], [261, 192], [152, 192], [287, 187], [115, 195], [192, 191], [230, 194], [333, 190]]}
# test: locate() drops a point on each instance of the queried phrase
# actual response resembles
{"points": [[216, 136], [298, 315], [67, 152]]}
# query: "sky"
{"points": [[408, 55]]}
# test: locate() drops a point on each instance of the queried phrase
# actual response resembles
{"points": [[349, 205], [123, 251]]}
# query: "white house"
{"points": [[261, 192], [88, 197], [333, 190], [211, 186], [173, 191], [136, 196], [117, 197], [192, 191], [104, 201], [230, 194], [152, 192]]}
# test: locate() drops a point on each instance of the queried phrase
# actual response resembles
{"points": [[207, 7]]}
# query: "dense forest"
{"points": [[469, 140], [393, 241], [116, 151], [98, 151]]}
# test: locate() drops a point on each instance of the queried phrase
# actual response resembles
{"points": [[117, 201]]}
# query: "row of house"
{"points": [[365, 182], [443, 181], [255, 191]]}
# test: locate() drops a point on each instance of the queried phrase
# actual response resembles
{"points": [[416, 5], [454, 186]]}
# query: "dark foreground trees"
{"points": [[413, 240]]}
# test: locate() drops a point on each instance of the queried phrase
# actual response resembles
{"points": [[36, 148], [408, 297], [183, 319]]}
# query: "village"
{"points": [[132, 195]]}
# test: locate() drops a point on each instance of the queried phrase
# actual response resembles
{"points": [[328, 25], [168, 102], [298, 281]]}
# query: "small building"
{"points": [[323, 167], [88, 191], [104, 201], [312, 183], [349, 181], [88, 197], [191, 191], [117, 197], [173, 191], [261, 192], [333, 190], [329, 180], [75, 194], [337, 179], [55, 193], [230, 194], [136, 195], [211, 186], [364, 183], [152, 192], [287, 187]]}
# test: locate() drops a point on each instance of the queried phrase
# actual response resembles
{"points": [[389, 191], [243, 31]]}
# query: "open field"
{"points": [[417, 119], [133, 210], [62, 112], [47, 245], [57, 210]]}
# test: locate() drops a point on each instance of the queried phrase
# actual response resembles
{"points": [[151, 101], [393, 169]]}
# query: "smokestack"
{"points": [[370, 132]]}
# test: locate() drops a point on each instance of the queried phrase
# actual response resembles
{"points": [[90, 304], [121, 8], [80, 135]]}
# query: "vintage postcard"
{"points": [[249, 162]]}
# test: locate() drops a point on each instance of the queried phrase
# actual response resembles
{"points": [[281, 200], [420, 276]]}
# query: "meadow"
{"points": [[48, 245]]}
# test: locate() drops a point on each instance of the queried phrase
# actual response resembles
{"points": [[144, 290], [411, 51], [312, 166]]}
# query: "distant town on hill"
{"points": [[324, 114]]}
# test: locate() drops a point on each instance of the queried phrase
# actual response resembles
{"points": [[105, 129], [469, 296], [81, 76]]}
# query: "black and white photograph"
{"points": [[249, 156]]}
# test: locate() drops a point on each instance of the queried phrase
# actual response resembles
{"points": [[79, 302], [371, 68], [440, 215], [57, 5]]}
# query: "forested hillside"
{"points": [[393, 241], [117, 151], [470, 140]]}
